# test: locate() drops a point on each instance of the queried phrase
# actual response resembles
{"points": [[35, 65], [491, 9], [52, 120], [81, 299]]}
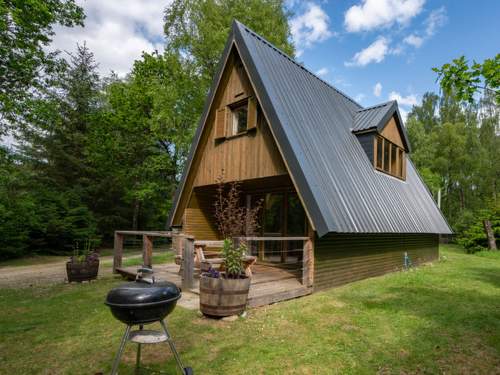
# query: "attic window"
{"points": [[236, 118], [239, 118], [389, 158]]}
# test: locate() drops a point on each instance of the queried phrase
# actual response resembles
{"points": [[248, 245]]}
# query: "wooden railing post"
{"points": [[188, 263], [147, 250], [308, 264], [118, 251]]}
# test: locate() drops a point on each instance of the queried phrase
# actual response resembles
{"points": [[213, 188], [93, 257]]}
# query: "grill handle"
{"points": [[141, 272]]}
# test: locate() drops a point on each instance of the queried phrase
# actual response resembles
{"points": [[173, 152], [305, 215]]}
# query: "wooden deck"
{"points": [[269, 284]]}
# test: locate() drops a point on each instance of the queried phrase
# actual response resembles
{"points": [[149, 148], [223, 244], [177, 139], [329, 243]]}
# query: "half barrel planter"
{"points": [[221, 297], [84, 271]]}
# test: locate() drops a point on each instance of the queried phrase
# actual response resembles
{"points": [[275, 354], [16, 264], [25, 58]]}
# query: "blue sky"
{"points": [[356, 45], [373, 50], [407, 39]]}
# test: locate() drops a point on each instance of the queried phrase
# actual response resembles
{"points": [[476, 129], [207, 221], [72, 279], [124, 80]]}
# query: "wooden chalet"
{"points": [[342, 199]]}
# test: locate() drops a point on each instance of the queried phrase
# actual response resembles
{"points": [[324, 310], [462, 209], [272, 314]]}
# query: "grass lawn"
{"points": [[440, 318]]}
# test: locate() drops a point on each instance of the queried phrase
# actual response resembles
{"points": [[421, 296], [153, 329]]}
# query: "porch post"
{"points": [[188, 263], [147, 250], [118, 251]]}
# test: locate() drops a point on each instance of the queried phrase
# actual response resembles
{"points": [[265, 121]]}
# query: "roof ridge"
{"points": [[265, 41], [376, 106]]}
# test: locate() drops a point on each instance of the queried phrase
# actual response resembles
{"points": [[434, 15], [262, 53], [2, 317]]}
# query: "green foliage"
{"points": [[473, 237], [199, 29], [99, 154], [465, 80], [26, 28], [456, 148], [233, 258]]}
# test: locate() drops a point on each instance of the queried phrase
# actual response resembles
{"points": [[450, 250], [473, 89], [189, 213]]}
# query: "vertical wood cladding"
{"points": [[343, 258], [249, 155]]}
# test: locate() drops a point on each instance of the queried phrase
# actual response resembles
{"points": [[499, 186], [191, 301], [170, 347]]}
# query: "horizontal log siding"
{"points": [[343, 258]]}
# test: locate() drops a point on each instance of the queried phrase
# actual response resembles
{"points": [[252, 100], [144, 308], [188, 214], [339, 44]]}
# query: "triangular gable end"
{"points": [[394, 130], [212, 151], [391, 131]]}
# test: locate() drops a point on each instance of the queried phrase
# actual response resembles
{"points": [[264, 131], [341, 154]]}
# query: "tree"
{"points": [[199, 29], [53, 146], [26, 28], [466, 80]]}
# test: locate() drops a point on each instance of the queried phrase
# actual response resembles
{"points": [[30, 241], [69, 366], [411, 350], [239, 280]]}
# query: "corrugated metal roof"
{"points": [[312, 123], [370, 118]]}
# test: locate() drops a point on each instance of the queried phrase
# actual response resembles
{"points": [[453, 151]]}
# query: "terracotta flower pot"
{"points": [[223, 297]]}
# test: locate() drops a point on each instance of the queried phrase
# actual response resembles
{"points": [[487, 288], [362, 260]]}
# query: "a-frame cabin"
{"points": [[332, 175]]}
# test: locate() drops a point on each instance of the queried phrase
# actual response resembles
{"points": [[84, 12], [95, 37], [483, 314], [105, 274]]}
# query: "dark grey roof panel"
{"points": [[312, 123], [370, 118]]}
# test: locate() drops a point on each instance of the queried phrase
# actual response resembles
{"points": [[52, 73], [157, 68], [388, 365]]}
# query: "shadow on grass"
{"points": [[491, 276]]}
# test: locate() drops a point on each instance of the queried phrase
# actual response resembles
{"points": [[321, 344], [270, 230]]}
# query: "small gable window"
{"points": [[389, 158], [236, 118], [239, 118]]}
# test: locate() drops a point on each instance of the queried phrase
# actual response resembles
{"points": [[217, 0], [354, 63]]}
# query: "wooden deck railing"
{"points": [[184, 245]]}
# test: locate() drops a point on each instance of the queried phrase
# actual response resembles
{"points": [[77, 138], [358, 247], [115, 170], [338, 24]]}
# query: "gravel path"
{"points": [[43, 274]]}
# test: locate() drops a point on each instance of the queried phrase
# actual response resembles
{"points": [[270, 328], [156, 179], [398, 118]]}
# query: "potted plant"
{"points": [[83, 265], [225, 293]]}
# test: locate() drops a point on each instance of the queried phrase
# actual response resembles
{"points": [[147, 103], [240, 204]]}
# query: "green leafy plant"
{"points": [[234, 220], [233, 258], [87, 254]]}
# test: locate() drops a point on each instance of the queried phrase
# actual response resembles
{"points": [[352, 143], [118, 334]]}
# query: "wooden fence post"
{"points": [[147, 250], [118, 251], [188, 263]]}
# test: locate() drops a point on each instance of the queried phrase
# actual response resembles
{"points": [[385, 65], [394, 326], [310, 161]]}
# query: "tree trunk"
{"points": [[135, 217], [492, 245]]}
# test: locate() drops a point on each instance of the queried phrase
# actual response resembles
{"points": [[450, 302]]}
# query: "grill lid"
{"points": [[136, 294]]}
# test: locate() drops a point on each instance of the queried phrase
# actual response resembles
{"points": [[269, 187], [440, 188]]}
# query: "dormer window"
{"points": [[389, 158]]}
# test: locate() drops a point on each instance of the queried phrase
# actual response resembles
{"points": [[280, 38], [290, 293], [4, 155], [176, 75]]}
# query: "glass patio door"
{"points": [[282, 216]]}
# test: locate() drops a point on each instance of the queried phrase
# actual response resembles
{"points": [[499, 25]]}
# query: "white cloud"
{"points": [[409, 100], [414, 40], [403, 113], [322, 72], [359, 97], [117, 32], [436, 19], [310, 27], [373, 14], [374, 53], [377, 89]]}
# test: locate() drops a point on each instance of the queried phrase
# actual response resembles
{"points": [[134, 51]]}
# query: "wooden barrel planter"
{"points": [[221, 297], [84, 271]]}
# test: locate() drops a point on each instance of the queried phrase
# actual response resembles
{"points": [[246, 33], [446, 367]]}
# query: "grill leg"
{"points": [[138, 358], [120, 350], [172, 347]]}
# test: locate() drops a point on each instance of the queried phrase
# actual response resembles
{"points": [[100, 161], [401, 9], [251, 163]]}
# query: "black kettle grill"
{"points": [[141, 302]]}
